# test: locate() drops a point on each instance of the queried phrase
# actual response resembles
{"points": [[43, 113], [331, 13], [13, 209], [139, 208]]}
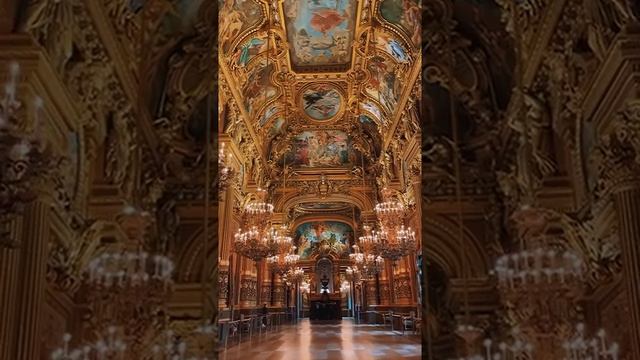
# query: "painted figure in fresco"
{"points": [[231, 23], [322, 237], [248, 50], [405, 13], [321, 102], [321, 30]]}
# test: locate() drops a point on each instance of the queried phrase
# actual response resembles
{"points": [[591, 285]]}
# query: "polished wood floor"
{"points": [[312, 341]]}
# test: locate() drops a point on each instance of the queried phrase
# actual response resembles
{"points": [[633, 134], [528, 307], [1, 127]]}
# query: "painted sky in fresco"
{"points": [[311, 236], [321, 101], [320, 31]]}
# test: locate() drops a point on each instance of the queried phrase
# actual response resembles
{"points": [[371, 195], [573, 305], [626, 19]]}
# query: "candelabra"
{"points": [[110, 347], [580, 348], [24, 158], [258, 240], [226, 173]]}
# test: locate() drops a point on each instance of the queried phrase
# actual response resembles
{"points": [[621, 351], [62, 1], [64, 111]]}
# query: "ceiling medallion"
{"points": [[321, 101]]}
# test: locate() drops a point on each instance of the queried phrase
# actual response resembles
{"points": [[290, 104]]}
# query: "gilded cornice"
{"points": [[615, 81], [122, 65]]}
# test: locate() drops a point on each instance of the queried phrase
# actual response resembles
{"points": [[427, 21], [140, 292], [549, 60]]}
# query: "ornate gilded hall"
{"points": [[319, 179]]}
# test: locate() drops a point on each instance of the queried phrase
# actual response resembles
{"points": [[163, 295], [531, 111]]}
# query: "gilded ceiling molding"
{"points": [[440, 237]]}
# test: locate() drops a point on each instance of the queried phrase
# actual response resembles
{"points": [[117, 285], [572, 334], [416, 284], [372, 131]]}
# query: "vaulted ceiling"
{"points": [[316, 69]]}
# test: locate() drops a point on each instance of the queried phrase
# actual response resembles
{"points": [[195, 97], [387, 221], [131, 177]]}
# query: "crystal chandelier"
{"points": [[110, 347], [281, 263], [295, 275], [538, 270], [305, 287], [258, 240], [24, 157], [581, 348], [285, 258], [226, 173], [366, 264], [129, 285], [393, 240], [353, 274]]}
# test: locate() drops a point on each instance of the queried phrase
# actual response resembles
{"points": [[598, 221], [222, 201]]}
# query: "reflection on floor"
{"points": [[307, 341]]}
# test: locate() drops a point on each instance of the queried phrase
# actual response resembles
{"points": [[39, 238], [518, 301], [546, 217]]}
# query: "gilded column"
{"points": [[278, 291], [627, 202], [32, 280]]}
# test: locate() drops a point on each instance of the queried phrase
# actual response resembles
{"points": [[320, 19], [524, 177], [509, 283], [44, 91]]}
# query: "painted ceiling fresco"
{"points": [[259, 88], [320, 31], [248, 50], [239, 15], [406, 14], [316, 237], [293, 87], [322, 148], [383, 84], [321, 101]]}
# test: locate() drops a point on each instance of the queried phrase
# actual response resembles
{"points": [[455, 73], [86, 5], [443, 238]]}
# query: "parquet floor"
{"points": [[311, 341]]}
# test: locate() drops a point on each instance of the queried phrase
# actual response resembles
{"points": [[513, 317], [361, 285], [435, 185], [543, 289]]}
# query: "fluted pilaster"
{"points": [[32, 280], [627, 201], [9, 266]]}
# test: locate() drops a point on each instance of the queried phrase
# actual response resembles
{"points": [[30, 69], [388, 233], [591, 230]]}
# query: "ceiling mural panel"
{"points": [[392, 46], [321, 237], [321, 101], [268, 114], [322, 148], [237, 16], [259, 87], [383, 84], [321, 32], [406, 14], [246, 52]]}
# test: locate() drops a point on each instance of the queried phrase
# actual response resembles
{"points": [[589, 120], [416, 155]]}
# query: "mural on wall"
{"points": [[323, 236], [321, 101], [259, 89], [249, 50], [383, 84], [405, 13], [392, 47], [235, 17], [320, 31], [322, 148]]}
